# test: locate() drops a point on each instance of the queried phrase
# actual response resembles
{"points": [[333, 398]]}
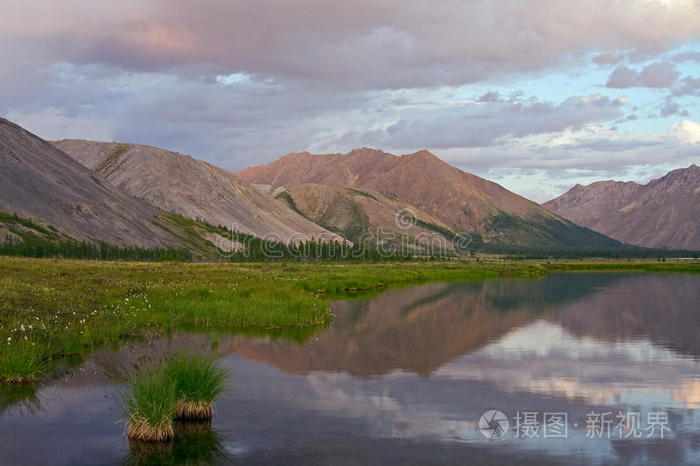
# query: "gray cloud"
{"points": [[670, 108], [622, 78], [655, 75], [687, 86], [487, 122], [608, 58], [360, 44]]}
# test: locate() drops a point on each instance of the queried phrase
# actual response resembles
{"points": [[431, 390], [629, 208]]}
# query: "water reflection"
{"points": [[403, 378], [194, 443], [19, 397], [420, 329]]}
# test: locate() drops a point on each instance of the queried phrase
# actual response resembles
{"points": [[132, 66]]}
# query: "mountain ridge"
{"points": [[42, 182], [467, 203], [193, 188], [662, 213]]}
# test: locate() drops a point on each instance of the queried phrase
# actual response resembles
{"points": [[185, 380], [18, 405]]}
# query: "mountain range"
{"points": [[40, 182], [137, 195], [193, 188], [662, 213], [464, 203]]}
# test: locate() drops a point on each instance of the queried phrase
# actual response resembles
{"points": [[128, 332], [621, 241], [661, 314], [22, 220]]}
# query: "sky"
{"points": [[535, 95]]}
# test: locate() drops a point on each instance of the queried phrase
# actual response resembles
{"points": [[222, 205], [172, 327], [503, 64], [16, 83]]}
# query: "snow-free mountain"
{"points": [[193, 188], [465, 203], [40, 182], [662, 213]]}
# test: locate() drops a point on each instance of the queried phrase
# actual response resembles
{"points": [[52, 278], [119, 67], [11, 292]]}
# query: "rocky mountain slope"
{"points": [[663, 213], [192, 188], [40, 182], [368, 216], [494, 216]]}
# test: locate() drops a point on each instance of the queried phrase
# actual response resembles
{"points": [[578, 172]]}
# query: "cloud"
{"points": [[687, 86], [361, 44], [687, 132], [608, 58], [670, 108], [488, 97], [655, 75], [486, 122]]}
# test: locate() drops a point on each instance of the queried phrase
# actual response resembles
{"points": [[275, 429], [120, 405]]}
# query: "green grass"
{"points": [[183, 387], [286, 197], [109, 164], [625, 266], [197, 378], [21, 362], [503, 230], [53, 309], [14, 219], [149, 407], [198, 381], [361, 193]]}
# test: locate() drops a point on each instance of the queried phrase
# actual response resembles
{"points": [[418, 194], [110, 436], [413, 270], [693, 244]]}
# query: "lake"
{"points": [[596, 368]]}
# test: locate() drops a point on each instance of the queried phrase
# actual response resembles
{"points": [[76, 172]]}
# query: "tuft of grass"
{"points": [[21, 363], [149, 408], [198, 381]]}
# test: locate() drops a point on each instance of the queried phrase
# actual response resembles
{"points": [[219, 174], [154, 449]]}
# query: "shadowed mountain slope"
{"points": [[38, 181], [192, 188]]}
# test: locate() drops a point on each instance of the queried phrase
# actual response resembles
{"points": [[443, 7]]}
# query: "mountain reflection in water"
{"points": [[403, 378]]}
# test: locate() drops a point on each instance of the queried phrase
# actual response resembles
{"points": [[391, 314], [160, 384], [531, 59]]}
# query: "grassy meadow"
{"points": [[51, 309]]}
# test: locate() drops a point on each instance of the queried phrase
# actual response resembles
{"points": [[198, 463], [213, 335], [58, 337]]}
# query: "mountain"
{"points": [[193, 188], [662, 213], [41, 183], [492, 215], [354, 213]]}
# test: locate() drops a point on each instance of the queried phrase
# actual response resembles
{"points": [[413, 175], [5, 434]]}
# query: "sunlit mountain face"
{"points": [[536, 102]]}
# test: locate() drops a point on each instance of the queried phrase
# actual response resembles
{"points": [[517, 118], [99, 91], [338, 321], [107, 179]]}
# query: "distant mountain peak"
{"points": [[661, 213], [462, 201]]}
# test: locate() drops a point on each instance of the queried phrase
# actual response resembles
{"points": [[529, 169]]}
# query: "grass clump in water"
{"points": [[198, 381], [21, 363], [149, 408]]}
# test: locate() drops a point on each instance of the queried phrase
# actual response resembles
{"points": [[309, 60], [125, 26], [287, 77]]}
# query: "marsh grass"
{"points": [[21, 363], [198, 381], [149, 407], [67, 308]]}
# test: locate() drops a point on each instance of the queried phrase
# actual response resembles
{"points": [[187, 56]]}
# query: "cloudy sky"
{"points": [[536, 95]]}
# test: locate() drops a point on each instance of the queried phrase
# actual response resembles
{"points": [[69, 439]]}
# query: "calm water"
{"points": [[404, 378]]}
